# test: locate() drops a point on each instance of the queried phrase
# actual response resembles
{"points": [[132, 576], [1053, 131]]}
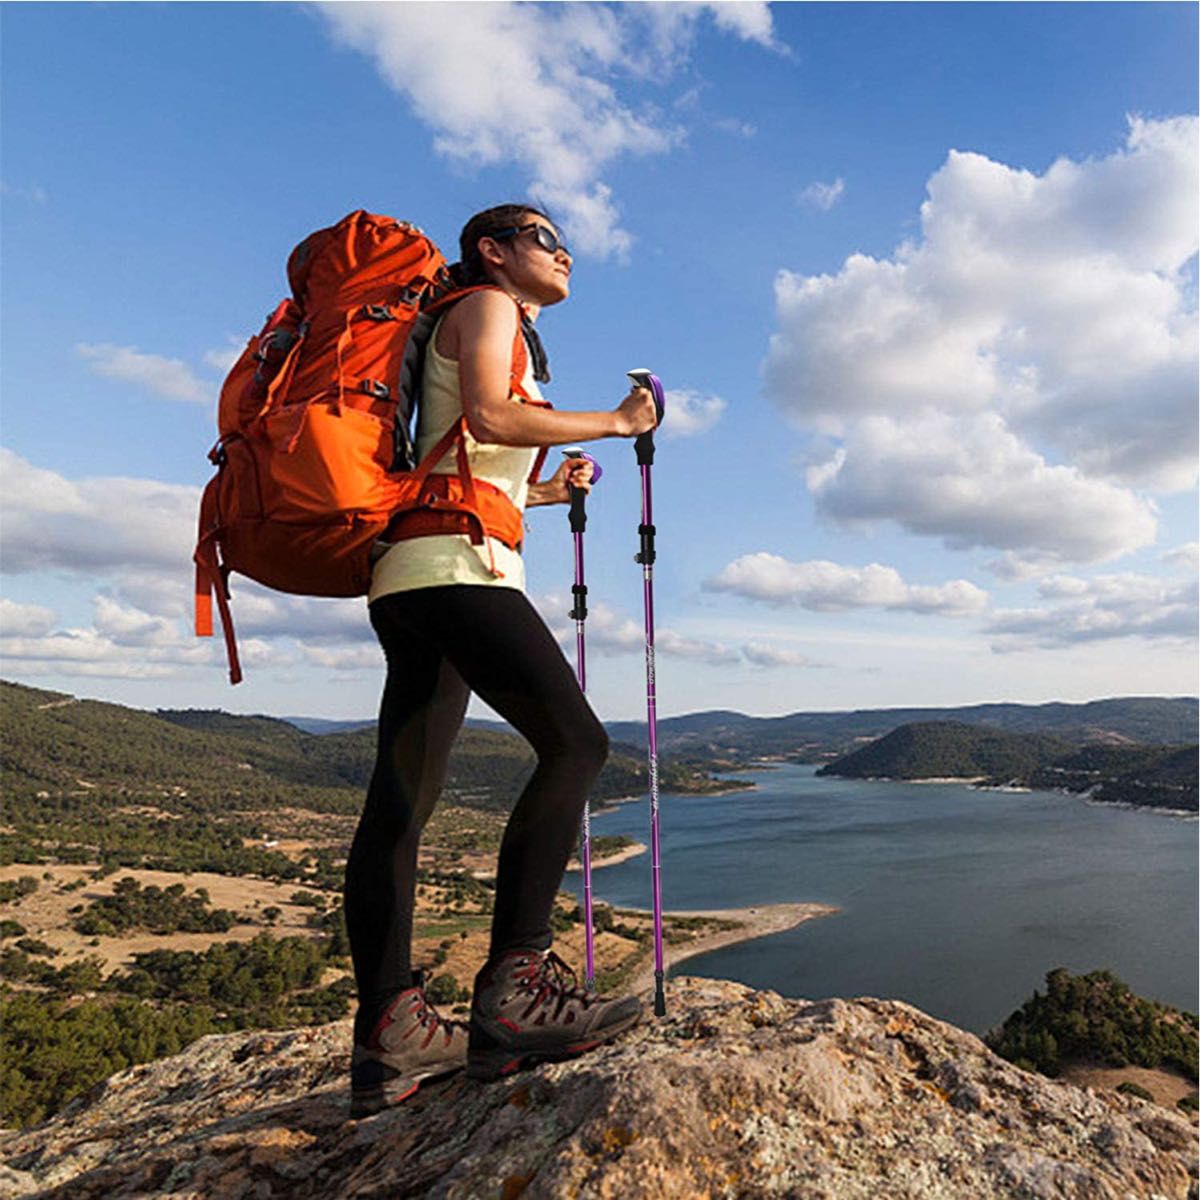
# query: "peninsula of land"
{"points": [[724, 927]]}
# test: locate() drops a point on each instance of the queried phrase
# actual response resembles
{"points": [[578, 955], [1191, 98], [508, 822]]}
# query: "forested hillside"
{"points": [[213, 759], [1151, 776], [1096, 1018]]}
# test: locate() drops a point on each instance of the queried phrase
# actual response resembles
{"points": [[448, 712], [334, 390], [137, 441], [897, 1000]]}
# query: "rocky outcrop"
{"points": [[735, 1093]]}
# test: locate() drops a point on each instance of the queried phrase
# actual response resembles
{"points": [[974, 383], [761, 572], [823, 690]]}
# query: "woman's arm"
{"points": [[479, 333]]}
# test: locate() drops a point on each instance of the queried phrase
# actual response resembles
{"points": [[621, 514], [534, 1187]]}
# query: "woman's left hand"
{"points": [[574, 472]]}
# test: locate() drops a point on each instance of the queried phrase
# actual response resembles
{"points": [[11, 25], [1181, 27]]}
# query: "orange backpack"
{"points": [[315, 463]]}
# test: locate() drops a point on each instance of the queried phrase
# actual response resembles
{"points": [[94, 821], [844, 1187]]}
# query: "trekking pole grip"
{"points": [[578, 514], [644, 443]]}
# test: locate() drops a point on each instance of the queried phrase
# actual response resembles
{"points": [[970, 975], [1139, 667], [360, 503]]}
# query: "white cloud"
{"points": [[1050, 313], [667, 641], [167, 377], [130, 645], [1106, 607], [222, 358], [96, 524], [823, 586], [688, 413], [969, 480], [535, 85], [764, 654], [124, 625], [313, 619], [748, 19], [823, 195], [346, 658], [134, 538], [125, 641], [25, 620], [608, 633], [1186, 556]]}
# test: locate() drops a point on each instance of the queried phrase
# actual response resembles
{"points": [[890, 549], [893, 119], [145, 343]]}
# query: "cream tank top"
{"points": [[443, 559]]}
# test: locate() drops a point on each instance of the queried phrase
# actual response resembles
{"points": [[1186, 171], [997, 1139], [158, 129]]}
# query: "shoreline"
{"points": [[610, 860], [601, 806], [758, 921]]}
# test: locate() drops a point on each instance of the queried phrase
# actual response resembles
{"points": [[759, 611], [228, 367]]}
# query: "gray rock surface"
{"points": [[736, 1093]]}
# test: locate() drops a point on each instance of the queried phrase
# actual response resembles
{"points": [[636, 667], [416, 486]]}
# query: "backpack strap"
{"points": [[524, 339], [212, 577]]}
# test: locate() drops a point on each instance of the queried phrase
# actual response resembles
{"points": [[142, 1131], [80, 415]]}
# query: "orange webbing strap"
{"points": [[204, 625], [210, 579], [456, 435], [340, 351], [472, 499]]}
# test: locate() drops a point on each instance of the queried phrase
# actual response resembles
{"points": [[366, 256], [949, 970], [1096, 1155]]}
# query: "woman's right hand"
{"points": [[637, 412]]}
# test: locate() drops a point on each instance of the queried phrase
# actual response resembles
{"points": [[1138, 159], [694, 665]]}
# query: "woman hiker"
{"points": [[453, 618]]}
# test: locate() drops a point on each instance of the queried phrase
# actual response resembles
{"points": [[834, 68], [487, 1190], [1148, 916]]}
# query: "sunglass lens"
{"points": [[548, 241]]}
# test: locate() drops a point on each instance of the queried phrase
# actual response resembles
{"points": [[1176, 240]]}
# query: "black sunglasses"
{"points": [[542, 234]]}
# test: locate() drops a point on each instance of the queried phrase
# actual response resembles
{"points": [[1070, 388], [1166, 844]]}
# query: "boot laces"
{"points": [[551, 978], [429, 1018]]}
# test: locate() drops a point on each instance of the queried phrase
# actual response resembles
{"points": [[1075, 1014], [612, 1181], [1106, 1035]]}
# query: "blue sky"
{"points": [[920, 281]]}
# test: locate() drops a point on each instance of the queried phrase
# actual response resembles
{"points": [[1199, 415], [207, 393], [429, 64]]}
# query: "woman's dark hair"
{"points": [[469, 271]]}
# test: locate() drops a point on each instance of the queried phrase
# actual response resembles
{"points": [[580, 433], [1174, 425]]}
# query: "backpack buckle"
{"points": [[377, 312], [375, 388]]}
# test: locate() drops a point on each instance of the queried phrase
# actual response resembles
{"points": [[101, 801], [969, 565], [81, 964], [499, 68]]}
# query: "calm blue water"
{"points": [[958, 901]]}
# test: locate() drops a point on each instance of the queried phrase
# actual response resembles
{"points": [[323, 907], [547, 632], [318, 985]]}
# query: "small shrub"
{"points": [[37, 946], [445, 990]]}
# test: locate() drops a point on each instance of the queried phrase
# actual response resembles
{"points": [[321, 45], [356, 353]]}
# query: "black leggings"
{"points": [[441, 644]]}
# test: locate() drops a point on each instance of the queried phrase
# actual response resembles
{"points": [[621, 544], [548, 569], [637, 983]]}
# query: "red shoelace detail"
{"points": [[550, 977], [429, 1018]]}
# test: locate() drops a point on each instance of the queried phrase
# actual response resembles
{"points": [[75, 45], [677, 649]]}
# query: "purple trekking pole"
{"points": [[644, 446], [578, 519]]}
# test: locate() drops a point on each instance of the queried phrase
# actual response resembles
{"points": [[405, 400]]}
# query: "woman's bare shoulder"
{"points": [[488, 312]]}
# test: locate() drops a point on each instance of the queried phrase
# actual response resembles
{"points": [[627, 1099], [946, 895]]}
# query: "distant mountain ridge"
{"points": [[813, 736], [1148, 720]]}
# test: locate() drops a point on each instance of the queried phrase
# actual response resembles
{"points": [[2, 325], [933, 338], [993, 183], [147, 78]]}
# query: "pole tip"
{"points": [[660, 999]]}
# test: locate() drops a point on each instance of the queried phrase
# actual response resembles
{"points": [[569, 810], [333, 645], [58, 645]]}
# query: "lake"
{"points": [[954, 899]]}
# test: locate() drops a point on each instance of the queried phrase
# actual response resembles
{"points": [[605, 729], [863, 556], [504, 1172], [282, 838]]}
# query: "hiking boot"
{"points": [[528, 1009], [409, 1046]]}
